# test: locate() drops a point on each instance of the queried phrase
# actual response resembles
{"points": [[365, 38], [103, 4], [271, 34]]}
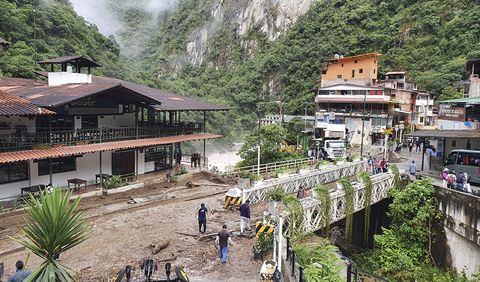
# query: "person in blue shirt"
{"points": [[202, 218], [413, 168], [20, 274]]}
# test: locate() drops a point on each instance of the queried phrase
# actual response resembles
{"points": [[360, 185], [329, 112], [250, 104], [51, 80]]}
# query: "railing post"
{"points": [[300, 274], [349, 272]]}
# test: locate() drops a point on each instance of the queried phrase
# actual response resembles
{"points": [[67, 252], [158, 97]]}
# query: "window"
{"points": [[353, 73], [89, 122], [59, 165], [12, 172], [342, 65], [360, 71], [451, 159], [339, 76], [454, 143], [373, 70], [355, 61]]}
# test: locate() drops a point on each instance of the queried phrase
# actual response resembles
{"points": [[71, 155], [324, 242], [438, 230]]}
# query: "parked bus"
{"points": [[465, 160]]}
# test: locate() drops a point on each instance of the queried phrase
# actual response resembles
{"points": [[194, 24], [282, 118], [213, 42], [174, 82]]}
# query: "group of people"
{"points": [[456, 181], [376, 166], [417, 143], [195, 160], [224, 238]]}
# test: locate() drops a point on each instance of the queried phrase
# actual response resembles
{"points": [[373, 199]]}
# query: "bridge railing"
{"points": [[308, 179], [313, 211], [264, 168]]}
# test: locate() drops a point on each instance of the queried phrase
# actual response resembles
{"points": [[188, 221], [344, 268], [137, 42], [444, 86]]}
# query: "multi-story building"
{"points": [[277, 119], [471, 86], [84, 127], [340, 109], [359, 70], [415, 107]]}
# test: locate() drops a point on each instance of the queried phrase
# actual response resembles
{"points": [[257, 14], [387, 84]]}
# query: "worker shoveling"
{"points": [[148, 272]]}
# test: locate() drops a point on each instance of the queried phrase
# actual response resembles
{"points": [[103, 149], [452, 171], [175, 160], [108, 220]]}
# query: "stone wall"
{"points": [[461, 226]]}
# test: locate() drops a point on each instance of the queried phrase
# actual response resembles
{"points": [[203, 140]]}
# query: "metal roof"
{"points": [[11, 105], [461, 134], [52, 96], [83, 61], [57, 152], [366, 55], [349, 86], [376, 99], [470, 100]]}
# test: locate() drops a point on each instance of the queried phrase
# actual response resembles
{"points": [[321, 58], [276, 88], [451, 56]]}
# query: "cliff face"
{"points": [[270, 18]]}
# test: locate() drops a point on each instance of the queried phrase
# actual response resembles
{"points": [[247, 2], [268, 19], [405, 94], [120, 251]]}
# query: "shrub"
{"points": [[113, 182], [276, 194]]}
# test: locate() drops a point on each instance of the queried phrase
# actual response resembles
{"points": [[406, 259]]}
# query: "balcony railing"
{"points": [[25, 141]]}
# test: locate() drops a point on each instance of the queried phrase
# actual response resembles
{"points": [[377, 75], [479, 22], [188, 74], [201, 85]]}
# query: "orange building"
{"points": [[359, 69]]}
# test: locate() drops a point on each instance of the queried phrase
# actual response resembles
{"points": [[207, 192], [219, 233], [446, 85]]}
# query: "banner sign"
{"points": [[456, 114]]}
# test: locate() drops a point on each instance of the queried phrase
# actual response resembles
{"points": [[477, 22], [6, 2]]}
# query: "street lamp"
{"points": [[259, 141]]}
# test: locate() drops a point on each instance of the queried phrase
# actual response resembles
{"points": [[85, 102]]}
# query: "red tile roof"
{"points": [[11, 105], [57, 152]]}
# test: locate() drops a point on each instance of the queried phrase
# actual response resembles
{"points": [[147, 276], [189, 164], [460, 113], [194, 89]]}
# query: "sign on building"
{"points": [[451, 113]]}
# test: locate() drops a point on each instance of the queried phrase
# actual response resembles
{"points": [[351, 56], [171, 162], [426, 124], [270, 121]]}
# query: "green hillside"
{"points": [[430, 39], [40, 29]]}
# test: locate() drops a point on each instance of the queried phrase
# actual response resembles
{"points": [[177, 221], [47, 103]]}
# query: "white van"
{"points": [[465, 160]]}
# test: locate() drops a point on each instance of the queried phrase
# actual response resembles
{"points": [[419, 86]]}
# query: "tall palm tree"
{"points": [[52, 226]]}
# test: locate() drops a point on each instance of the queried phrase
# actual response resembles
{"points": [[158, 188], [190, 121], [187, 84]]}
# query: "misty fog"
{"points": [[99, 12]]}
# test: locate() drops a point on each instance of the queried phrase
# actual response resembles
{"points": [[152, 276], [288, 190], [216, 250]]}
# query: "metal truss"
{"points": [[314, 216], [307, 179]]}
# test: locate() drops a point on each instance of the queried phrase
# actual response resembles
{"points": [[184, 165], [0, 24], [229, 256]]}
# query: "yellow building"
{"points": [[360, 69]]}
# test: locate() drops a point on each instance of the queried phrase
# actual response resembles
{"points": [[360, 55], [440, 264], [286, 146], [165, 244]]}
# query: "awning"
{"points": [[459, 134], [57, 152], [471, 100]]}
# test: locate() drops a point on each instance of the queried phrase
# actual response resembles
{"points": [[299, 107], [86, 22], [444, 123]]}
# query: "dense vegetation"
{"points": [[41, 29], [430, 39], [403, 252]]}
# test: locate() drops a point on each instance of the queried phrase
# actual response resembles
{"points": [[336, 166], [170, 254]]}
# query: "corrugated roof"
{"points": [[82, 60], [58, 152], [366, 55], [51, 96], [460, 133], [470, 100], [11, 105]]}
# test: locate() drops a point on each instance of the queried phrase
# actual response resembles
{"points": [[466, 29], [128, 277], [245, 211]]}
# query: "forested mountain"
{"points": [[240, 52], [204, 49], [40, 29]]}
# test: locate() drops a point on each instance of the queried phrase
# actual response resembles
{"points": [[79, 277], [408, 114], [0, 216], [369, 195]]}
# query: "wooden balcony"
{"points": [[25, 141]]}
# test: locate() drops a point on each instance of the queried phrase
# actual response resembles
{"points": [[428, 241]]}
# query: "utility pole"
{"points": [[363, 122], [259, 141]]}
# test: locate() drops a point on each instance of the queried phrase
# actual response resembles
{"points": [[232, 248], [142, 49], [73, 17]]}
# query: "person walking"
{"points": [[410, 146], [223, 239], [20, 274], [417, 142], [413, 168], [244, 216], [202, 218]]}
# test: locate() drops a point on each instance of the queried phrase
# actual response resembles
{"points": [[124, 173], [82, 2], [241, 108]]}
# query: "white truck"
{"points": [[333, 148]]}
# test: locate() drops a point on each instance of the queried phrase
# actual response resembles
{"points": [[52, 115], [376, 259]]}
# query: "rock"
{"points": [[159, 246]]}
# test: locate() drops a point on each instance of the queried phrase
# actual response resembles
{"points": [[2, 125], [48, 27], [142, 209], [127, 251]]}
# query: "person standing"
{"points": [[20, 274], [245, 216], [383, 165], [410, 146], [223, 240], [202, 218], [413, 168], [452, 180], [417, 142]]}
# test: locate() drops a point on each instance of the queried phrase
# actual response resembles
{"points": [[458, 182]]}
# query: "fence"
{"points": [[293, 265], [264, 168]]}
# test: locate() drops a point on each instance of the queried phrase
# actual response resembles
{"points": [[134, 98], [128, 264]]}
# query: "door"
{"points": [[123, 163]]}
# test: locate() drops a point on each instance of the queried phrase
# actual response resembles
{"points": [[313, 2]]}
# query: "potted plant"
{"points": [[275, 198], [339, 160], [281, 172]]}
